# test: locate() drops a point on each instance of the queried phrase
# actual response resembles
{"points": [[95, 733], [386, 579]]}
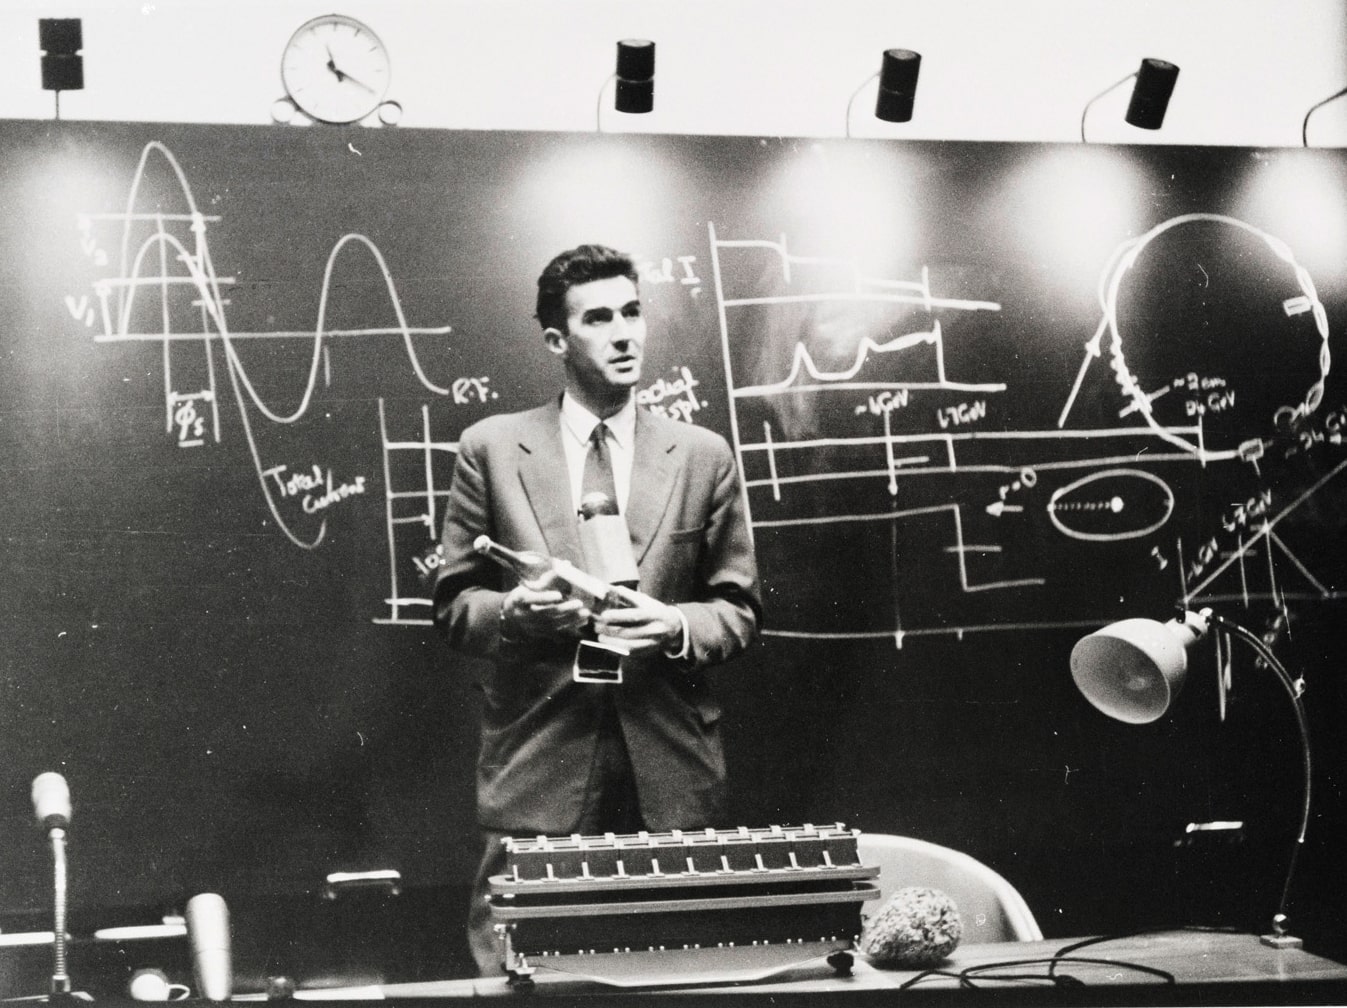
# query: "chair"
{"points": [[992, 910]]}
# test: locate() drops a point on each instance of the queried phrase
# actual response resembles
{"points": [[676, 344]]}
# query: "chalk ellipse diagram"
{"points": [[1111, 505]]}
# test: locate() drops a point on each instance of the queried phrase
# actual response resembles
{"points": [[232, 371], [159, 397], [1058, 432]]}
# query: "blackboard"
{"points": [[985, 397]]}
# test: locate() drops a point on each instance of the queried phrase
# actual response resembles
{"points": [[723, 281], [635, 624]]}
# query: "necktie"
{"points": [[598, 475]]}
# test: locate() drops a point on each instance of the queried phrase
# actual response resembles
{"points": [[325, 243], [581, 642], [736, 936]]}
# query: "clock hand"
{"points": [[354, 80], [332, 65]]}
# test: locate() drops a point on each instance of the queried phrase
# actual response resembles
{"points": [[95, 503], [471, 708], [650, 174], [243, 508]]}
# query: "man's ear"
{"points": [[555, 340]]}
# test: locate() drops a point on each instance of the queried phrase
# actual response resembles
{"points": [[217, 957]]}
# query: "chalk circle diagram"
{"points": [[1180, 304]]}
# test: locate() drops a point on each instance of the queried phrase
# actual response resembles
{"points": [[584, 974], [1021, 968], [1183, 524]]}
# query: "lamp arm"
{"points": [[1089, 104], [1294, 691]]}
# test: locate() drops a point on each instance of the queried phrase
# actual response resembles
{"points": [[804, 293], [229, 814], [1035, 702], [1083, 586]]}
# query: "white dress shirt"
{"points": [[577, 423]]}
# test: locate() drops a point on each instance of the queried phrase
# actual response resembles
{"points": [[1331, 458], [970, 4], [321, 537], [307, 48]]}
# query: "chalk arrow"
{"points": [[997, 508]]}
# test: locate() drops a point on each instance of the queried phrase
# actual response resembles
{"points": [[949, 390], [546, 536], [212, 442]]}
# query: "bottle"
{"points": [[534, 570], [542, 573]]}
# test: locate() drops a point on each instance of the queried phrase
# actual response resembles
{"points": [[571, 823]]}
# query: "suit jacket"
{"points": [[691, 541]]}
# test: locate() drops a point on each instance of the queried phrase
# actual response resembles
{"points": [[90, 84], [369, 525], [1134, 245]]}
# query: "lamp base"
{"points": [[1281, 941]]}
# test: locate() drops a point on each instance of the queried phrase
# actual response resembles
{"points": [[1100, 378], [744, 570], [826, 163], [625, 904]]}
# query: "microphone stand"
{"points": [[60, 978]]}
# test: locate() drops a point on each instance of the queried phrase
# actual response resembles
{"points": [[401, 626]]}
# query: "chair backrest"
{"points": [[992, 910]]}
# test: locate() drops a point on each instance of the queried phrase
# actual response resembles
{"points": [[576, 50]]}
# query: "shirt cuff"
{"points": [[503, 626], [682, 651]]}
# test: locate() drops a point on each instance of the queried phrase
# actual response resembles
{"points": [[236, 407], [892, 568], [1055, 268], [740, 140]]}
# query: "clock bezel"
{"points": [[307, 28]]}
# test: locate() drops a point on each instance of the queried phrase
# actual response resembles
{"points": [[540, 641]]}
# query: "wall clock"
{"points": [[336, 70]]}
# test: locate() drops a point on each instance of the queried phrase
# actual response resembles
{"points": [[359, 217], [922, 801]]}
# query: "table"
{"points": [[1208, 967]]}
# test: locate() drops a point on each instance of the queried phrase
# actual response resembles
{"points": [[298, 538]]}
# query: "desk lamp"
{"points": [[1132, 670]]}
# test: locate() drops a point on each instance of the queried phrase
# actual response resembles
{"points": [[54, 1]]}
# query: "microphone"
{"points": [[51, 800], [51, 803], [208, 931], [605, 541], [917, 927]]}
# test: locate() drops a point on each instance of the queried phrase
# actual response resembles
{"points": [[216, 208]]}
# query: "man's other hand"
{"points": [[531, 612]]}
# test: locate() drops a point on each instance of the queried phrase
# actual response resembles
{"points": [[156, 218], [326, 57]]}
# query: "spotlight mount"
{"points": [[61, 40], [898, 72], [1146, 108], [635, 91]]}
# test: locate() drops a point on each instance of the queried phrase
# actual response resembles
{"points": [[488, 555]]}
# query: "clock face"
{"points": [[335, 69]]}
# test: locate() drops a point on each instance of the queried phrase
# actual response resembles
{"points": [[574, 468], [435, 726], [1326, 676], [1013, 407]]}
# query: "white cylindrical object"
{"points": [[208, 930], [51, 799], [606, 544]]}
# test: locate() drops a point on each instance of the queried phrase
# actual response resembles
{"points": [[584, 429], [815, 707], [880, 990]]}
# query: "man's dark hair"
{"points": [[579, 265]]}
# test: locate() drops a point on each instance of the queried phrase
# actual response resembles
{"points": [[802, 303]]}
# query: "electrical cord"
{"points": [[969, 976]]}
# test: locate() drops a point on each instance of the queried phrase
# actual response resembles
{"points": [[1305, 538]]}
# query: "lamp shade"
{"points": [[1133, 669]]}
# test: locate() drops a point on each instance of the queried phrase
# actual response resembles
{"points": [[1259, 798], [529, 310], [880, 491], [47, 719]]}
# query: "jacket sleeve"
{"points": [[468, 586], [724, 617]]}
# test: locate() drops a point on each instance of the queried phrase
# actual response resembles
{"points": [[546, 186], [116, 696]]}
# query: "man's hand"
{"points": [[646, 627], [533, 612]]}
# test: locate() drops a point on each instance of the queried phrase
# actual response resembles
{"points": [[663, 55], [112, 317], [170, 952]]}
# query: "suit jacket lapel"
{"points": [[546, 481], [654, 464]]}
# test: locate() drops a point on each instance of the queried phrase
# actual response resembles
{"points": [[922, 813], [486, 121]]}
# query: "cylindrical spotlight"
{"points": [[635, 76], [61, 40], [897, 85], [1150, 95]]}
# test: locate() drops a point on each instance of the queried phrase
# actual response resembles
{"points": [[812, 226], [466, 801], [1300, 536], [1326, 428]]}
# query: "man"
{"points": [[561, 756]]}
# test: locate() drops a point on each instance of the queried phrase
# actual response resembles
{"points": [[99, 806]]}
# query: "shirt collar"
{"points": [[579, 422]]}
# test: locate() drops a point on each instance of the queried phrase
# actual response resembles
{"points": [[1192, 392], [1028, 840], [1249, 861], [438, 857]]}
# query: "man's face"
{"points": [[605, 339]]}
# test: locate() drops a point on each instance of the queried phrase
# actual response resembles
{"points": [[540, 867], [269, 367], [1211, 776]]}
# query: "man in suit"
{"points": [[561, 756]]}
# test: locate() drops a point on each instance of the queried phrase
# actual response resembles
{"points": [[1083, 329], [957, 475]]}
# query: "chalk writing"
{"points": [[190, 424], [312, 504], [674, 398], [173, 254], [963, 413], [1242, 515], [304, 483], [413, 515], [664, 271], [885, 402], [797, 329], [469, 390]]}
